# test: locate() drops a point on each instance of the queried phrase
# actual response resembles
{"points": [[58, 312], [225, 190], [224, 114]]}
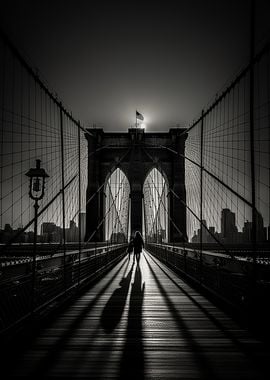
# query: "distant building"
{"points": [[48, 228], [17, 236], [30, 237], [247, 231], [8, 228], [207, 234], [212, 233], [49, 232], [204, 231], [261, 231], [72, 233], [229, 232], [82, 220]]}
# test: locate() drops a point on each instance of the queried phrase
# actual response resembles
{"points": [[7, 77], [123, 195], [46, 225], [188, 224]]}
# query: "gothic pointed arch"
{"points": [[155, 194], [117, 207]]}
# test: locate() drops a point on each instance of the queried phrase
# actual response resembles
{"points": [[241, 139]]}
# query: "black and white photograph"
{"points": [[135, 189]]}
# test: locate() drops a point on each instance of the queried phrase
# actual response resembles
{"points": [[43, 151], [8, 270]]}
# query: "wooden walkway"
{"points": [[142, 321]]}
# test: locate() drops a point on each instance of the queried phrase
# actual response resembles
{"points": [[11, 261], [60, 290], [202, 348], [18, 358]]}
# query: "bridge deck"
{"points": [[143, 321]]}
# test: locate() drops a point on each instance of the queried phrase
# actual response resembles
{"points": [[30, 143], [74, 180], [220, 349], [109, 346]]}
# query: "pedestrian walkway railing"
{"points": [[56, 280], [229, 279]]}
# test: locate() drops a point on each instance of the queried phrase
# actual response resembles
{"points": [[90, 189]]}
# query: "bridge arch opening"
{"points": [[117, 207], [155, 207]]}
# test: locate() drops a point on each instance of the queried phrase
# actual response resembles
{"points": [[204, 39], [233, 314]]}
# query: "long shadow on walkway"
{"points": [[114, 308], [48, 361], [244, 347], [201, 361], [132, 362]]}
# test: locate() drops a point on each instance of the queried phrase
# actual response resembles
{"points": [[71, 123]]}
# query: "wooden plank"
{"points": [[143, 322]]}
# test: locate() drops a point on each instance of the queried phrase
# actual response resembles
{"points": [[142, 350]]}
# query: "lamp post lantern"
{"points": [[37, 177]]}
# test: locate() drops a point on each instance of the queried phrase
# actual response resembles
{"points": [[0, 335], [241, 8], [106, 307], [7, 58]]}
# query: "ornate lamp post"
{"points": [[37, 177]]}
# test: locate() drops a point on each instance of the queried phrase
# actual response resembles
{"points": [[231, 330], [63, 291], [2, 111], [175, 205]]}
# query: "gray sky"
{"points": [[105, 61]]}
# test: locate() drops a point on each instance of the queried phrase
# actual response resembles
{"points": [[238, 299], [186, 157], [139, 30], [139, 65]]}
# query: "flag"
{"points": [[139, 115]]}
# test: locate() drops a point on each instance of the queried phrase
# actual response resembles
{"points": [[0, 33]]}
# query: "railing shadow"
{"points": [[247, 351], [200, 359], [132, 362], [114, 308]]}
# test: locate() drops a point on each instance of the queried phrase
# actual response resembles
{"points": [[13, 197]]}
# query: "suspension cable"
{"points": [[204, 169], [194, 214], [171, 220]]}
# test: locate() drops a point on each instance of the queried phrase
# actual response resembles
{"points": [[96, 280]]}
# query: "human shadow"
{"points": [[132, 362], [114, 308], [51, 357]]}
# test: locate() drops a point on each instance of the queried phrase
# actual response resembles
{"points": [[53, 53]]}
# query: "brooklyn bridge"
{"points": [[73, 301]]}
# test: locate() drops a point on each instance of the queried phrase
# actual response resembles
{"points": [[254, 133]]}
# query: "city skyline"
{"points": [[50, 232], [229, 232]]}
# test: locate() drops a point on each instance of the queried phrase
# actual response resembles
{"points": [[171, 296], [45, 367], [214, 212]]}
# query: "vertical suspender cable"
{"points": [[201, 196], [79, 200], [63, 192], [251, 129]]}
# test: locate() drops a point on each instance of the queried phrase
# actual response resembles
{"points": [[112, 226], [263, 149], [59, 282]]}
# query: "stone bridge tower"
{"points": [[136, 153]]}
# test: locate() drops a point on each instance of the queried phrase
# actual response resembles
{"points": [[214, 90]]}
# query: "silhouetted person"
{"points": [[138, 245], [130, 247]]}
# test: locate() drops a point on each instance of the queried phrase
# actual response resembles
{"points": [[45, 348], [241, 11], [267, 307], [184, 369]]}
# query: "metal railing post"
{"points": [[34, 258]]}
